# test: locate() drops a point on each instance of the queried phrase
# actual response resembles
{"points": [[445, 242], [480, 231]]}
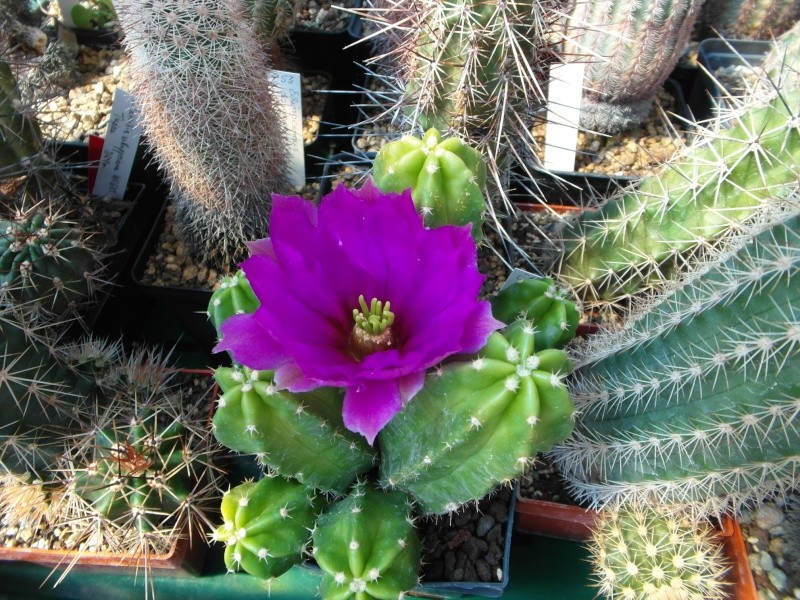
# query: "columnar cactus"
{"points": [[267, 525], [20, 138], [695, 400], [446, 177], [631, 48], [645, 552], [367, 547], [272, 18], [220, 141], [750, 19], [477, 423], [299, 435], [744, 164]]}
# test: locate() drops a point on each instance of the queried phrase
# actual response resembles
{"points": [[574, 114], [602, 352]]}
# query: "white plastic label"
{"points": [[290, 106], [563, 116], [119, 148]]}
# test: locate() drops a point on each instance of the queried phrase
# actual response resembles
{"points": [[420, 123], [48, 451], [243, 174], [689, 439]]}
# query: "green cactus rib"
{"points": [[367, 546], [446, 177], [644, 552], [541, 302], [266, 525], [45, 260], [233, 297], [695, 400], [632, 48], [657, 231], [475, 424], [300, 435]]}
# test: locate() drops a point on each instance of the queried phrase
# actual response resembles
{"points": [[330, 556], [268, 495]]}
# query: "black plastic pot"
{"points": [[96, 38]]}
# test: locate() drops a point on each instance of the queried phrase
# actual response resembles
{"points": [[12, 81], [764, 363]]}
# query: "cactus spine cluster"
{"points": [[631, 48], [201, 80], [695, 400], [643, 552], [742, 166], [446, 177], [366, 546], [267, 525]]}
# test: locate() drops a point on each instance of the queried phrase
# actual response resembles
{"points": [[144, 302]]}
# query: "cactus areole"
{"points": [[358, 293]]}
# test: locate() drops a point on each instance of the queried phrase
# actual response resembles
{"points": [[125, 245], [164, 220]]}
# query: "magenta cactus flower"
{"points": [[357, 293]]}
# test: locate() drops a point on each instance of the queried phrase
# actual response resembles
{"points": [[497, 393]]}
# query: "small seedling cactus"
{"points": [[645, 552], [367, 546], [446, 177], [267, 525]]}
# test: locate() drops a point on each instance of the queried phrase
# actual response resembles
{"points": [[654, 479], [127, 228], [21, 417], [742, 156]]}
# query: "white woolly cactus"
{"points": [[644, 553], [200, 76]]}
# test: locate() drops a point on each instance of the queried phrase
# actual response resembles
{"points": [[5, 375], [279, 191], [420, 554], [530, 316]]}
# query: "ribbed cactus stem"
{"points": [[658, 231], [750, 19], [631, 48], [207, 105], [694, 400], [476, 424], [20, 138]]}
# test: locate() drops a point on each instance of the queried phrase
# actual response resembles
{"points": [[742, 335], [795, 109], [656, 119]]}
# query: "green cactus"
{"points": [[744, 164], [266, 525], [367, 547], [644, 552], [631, 48], [233, 297], [45, 259], [541, 302], [446, 177], [694, 400], [749, 19], [299, 435], [221, 143], [272, 19], [477, 423], [20, 138]]}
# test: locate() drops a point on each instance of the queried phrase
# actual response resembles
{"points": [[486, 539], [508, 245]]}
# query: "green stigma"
{"points": [[375, 318]]}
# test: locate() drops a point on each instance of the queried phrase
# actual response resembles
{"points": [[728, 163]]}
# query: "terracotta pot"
{"points": [[185, 555]]}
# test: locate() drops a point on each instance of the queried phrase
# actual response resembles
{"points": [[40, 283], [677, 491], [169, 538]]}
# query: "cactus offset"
{"points": [[446, 177], [233, 297], [477, 423], [299, 435], [220, 141], [266, 525], [541, 302], [632, 47], [366, 546], [644, 552], [694, 401], [729, 176]]}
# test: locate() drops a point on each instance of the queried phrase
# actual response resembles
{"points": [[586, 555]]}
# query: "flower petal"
{"points": [[368, 406], [250, 344]]}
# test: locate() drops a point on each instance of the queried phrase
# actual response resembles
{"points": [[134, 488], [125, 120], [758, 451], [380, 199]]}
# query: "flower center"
{"points": [[372, 331]]}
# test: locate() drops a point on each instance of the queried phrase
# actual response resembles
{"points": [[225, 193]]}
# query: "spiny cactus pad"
{"points": [[446, 177], [641, 552], [367, 546], [299, 435], [540, 301], [475, 424], [267, 525]]}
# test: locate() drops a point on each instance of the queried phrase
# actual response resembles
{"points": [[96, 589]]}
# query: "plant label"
{"points": [[290, 107], [563, 116], [119, 148]]}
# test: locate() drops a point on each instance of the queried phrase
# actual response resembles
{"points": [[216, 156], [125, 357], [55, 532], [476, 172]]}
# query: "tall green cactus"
{"points": [[743, 165], [367, 547], [476, 424], [446, 177], [695, 401], [220, 141], [631, 48], [20, 138]]}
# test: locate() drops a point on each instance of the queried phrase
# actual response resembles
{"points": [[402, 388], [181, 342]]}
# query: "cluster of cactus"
{"points": [[220, 142], [646, 552], [749, 19], [446, 178], [631, 48], [475, 424], [694, 401], [742, 165]]}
